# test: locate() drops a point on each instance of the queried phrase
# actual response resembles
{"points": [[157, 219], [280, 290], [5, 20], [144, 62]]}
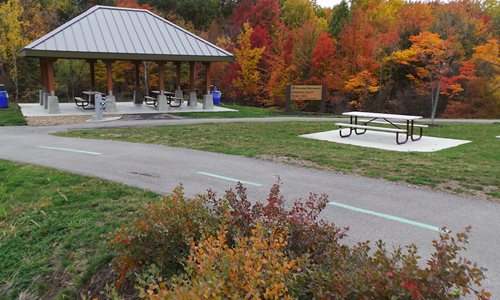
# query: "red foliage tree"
{"points": [[264, 13], [322, 59]]}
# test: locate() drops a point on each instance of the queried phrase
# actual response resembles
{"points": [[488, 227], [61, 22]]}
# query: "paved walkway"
{"points": [[374, 209]]}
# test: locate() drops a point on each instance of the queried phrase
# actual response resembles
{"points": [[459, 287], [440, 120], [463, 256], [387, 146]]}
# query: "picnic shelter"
{"points": [[113, 33]]}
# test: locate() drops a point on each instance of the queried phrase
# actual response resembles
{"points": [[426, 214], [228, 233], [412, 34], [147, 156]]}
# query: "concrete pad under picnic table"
{"points": [[387, 141]]}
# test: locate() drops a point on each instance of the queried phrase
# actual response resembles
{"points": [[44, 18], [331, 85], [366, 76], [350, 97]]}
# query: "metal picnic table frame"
{"points": [[170, 98], [407, 128]]}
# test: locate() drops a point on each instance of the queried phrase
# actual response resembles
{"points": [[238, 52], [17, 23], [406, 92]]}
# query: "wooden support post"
{"points": [[51, 84], [191, 77], [92, 74], [138, 97], [109, 72], [137, 75], [178, 75], [161, 77], [207, 78], [43, 74], [46, 74]]}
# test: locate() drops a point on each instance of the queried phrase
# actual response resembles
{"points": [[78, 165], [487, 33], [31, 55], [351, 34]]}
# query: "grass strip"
{"points": [[470, 169]]}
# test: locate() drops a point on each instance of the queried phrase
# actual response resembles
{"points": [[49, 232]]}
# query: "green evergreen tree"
{"points": [[341, 14]]}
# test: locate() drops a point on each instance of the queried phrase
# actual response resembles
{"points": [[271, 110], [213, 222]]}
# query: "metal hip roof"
{"points": [[105, 32]]}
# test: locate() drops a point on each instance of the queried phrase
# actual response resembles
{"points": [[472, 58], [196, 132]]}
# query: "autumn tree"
{"points": [[305, 38], [247, 58], [487, 57], [296, 12], [282, 69], [430, 61], [322, 59], [364, 84], [482, 94], [12, 38], [264, 14]]}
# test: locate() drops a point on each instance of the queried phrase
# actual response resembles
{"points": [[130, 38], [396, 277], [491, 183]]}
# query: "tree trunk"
{"points": [[379, 95], [432, 97], [16, 81], [435, 102]]}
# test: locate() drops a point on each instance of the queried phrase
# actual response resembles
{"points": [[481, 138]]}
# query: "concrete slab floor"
{"points": [[122, 108], [387, 141]]}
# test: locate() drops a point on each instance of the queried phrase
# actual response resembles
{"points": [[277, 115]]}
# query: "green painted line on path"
{"points": [[229, 178], [385, 216]]}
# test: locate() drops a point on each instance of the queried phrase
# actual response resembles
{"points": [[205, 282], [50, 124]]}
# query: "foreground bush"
{"points": [[254, 267], [162, 235], [230, 248]]}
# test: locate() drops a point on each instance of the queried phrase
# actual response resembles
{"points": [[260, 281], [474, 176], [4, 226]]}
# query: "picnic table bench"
{"points": [[399, 124], [83, 103], [89, 103], [172, 101]]}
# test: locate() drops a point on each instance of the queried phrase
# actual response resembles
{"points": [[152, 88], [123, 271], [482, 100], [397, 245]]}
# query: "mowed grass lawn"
{"points": [[11, 116], [242, 112], [471, 169], [246, 112], [54, 228]]}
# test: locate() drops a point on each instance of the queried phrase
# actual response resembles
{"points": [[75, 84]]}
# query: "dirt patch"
{"points": [[457, 187], [96, 286], [57, 281]]}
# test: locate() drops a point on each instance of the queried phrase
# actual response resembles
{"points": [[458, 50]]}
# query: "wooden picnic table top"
{"points": [[380, 115]]}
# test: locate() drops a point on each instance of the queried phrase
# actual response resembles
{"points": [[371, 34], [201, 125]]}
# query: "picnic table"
{"points": [[88, 103], [360, 122], [170, 99]]}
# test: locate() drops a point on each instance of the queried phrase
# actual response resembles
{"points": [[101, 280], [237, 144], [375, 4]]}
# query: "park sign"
{"points": [[306, 92], [296, 92]]}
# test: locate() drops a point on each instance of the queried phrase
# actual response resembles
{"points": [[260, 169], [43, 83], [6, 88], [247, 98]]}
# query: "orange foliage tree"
{"points": [[430, 62]]}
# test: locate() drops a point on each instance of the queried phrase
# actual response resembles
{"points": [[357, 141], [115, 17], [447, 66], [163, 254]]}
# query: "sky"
{"points": [[327, 3]]}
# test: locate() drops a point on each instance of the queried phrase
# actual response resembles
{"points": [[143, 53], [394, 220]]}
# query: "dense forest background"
{"points": [[428, 58]]}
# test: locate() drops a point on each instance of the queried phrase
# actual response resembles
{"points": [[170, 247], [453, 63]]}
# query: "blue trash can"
{"points": [[216, 96], [4, 97]]}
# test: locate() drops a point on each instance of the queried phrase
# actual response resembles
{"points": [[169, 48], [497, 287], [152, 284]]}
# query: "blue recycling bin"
{"points": [[216, 96], [4, 97]]}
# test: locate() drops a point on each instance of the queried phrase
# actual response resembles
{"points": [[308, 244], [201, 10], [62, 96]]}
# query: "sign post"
{"points": [[305, 93]]}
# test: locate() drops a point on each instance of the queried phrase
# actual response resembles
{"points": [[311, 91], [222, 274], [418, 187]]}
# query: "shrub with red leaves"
{"points": [[166, 233]]}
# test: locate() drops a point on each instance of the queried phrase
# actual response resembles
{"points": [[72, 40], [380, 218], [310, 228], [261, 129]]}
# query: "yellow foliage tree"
{"points": [[12, 38], [248, 59], [489, 53]]}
